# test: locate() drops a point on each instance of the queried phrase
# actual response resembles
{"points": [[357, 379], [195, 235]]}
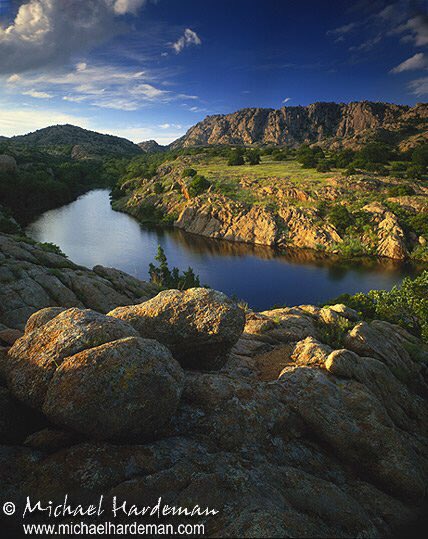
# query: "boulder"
{"points": [[34, 358], [199, 325], [42, 317], [128, 388]]}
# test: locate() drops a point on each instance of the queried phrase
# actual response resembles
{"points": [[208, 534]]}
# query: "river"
{"points": [[91, 233]]}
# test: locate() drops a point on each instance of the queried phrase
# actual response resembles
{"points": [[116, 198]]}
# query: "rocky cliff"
{"points": [[32, 277], [330, 123], [296, 422]]}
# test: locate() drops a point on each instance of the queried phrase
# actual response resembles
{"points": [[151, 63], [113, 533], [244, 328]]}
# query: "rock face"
{"points": [[198, 325], [342, 123], [128, 388], [291, 438], [32, 278]]}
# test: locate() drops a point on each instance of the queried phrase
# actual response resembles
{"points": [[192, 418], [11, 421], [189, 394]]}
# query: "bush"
{"points": [[401, 191], [375, 152], [235, 158], [415, 172], [323, 166], [189, 172], [253, 157], [405, 305], [198, 185], [158, 188], [340, 218]]}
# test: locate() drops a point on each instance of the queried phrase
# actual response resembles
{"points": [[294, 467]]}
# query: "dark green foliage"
{"points": [[198, 185], [51, 248], [340, 218], [344, 158], [323, 166], [375, 152], [415, 172], [158, 188], [333, 333], [401, 191], [162, 276], [309, 156], [236, 157], [189, 173], [420, 156], [405, 305], [253, 157]]}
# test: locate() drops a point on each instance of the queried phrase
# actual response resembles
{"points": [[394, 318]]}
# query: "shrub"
{"points": [[401, 191], [333, 333], [340, 218], [198, 185], [253, 157], [189, 172], [405, 305], [158, 188], [323, 166], [235, 158]]}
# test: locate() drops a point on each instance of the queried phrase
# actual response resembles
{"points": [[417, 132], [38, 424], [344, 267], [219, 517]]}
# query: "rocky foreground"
{"points": [[295, 422]]}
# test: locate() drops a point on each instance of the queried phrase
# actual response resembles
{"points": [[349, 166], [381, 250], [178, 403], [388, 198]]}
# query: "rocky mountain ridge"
{"points": [[295, 422], [333, 124]]}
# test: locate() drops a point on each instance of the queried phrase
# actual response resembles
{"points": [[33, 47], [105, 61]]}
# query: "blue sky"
{"points": [[150, 69]]}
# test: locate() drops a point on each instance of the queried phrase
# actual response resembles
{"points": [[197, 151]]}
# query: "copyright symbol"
{"points": [[8, 508]]}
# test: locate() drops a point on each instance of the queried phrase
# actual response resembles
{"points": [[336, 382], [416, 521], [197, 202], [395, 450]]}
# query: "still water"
{"points": [[91, 233]]}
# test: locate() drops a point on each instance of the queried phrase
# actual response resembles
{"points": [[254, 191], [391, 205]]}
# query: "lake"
{"points": [[90, 233]]}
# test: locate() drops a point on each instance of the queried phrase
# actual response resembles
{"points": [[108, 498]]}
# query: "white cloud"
{"points": [[49, 32], [127, 6], [416, 30], [37, 95], [103, 86], [186, 40], [417, 61], [22, 121], [286, 100], [419, 87], [168, 126], [341, 30]]}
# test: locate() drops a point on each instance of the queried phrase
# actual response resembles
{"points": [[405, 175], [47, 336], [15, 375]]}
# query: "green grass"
{"points": [[292, 171]]}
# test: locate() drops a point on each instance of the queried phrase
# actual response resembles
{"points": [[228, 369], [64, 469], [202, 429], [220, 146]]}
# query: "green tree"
{"points": [[162, 276], [198, 185], [253, 157], [236, 158]]}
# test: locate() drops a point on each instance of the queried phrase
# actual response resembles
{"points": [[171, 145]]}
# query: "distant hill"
{"points": [[151, 146], [84, 143], [326, 123]]}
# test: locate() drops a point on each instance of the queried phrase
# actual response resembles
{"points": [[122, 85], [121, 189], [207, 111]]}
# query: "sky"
{"points": [[150, 69]]}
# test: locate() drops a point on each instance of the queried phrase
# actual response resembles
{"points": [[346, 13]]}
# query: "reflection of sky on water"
{"points": [[91, 233]]}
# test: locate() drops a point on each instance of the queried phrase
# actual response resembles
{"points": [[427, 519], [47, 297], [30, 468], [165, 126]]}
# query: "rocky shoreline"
{"points": [[281, 215], [300, 422]]}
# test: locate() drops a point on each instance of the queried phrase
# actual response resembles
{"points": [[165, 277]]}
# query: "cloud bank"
{"points": [[49, 32]]}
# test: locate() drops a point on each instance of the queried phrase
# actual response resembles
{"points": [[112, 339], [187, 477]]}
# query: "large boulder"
{"points": [[128, 388], [34, 358], [199, 325]]}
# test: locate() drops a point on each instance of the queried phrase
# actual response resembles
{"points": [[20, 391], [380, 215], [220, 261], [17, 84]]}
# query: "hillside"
{"points": [[326, 123], [84, 143]]}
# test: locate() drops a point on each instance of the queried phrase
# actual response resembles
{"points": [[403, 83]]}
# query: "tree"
{"points": [[253, 157], [323, 166], [236, 158], [162, 276], [420, 156], [375, 152], [198, 185], [340, 218]]}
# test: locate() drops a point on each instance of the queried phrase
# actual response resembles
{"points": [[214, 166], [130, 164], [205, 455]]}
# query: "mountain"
{"points": [[326, 123], [151, 146], [84, 143]]}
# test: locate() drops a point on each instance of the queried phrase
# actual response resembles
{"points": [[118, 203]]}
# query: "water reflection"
{"points": [[91, 233]]}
